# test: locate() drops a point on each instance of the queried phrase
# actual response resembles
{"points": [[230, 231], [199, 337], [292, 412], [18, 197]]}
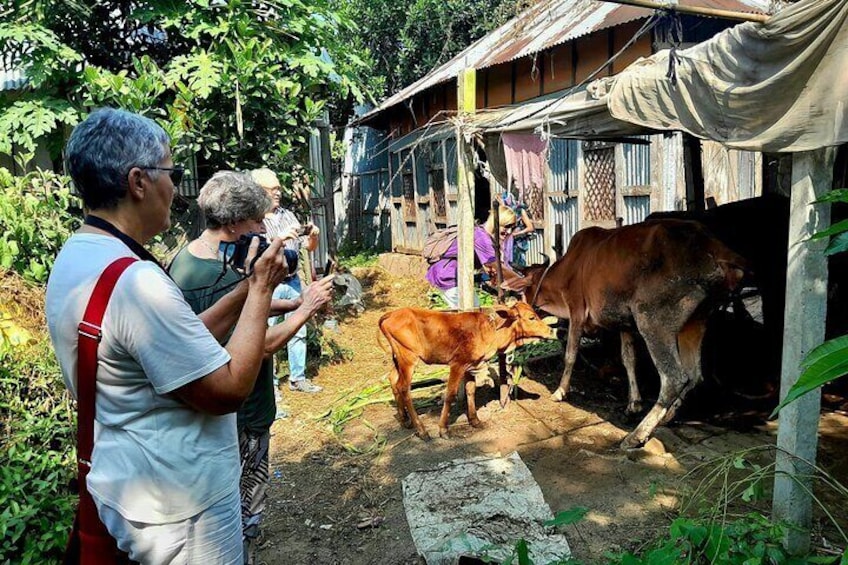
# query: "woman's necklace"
{"points": [[208, 246]]}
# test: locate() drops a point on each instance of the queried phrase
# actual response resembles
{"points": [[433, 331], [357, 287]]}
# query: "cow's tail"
{"points": [[385, 347]]}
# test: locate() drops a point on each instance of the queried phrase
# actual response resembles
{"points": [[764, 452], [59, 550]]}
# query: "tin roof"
{"points": [[11, 80], [546, 24]]}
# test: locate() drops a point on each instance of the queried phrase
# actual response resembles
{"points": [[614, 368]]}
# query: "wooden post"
{"points": [[505, 384], [806, 306], [694, 171], [466, 100]]}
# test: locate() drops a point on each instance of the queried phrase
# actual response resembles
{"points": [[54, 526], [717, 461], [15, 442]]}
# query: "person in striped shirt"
{"points": [[278, 221]]}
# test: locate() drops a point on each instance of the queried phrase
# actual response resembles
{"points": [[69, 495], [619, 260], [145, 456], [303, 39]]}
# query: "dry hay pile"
{"points": [[22, 303]]}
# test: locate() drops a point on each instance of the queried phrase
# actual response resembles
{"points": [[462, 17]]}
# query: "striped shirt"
{"points": [[279, 223]]}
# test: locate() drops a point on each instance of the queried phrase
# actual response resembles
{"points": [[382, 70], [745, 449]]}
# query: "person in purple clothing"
{"points": [[442, 273]]}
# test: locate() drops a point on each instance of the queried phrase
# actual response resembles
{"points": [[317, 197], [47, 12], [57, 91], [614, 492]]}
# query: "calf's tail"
{"points": [[380, 331]]}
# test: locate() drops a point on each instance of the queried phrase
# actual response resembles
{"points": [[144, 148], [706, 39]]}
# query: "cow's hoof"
{"points": [[423, 435], [444, 433], [633, 408], [558, 395], [477, 423], [405, 422]]}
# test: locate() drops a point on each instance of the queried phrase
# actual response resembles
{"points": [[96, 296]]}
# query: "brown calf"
{"points": [[463, 340]]}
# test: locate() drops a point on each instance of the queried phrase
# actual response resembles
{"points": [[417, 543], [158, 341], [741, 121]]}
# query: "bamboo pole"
{"points": [[466, 93], [505, 385], [695, 10]]}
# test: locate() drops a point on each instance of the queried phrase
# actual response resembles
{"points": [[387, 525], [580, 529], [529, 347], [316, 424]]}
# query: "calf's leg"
{"points": [[457, 373], [394, 379], [628, 358], [406, 365], [470, 390], [575, 331]]}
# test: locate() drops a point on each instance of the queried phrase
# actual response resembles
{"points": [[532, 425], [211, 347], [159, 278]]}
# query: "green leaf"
{"points": [[836, 195], [823, 364], [838, 244], [836, 228], [566, 517], [523, 553]]}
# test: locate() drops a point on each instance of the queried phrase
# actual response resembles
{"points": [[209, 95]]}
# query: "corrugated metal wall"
{"points": [[370, 225], [637, 164], [636, 209], [561, 214], [637, 182], [562, 223], [563, 164]]}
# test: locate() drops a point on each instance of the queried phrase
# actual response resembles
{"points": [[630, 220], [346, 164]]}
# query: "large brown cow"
{"points": [[660, 278], [463, 340]]}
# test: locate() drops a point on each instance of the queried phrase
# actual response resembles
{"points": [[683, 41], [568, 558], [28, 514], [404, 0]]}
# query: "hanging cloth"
{"points": [[525, 155]]}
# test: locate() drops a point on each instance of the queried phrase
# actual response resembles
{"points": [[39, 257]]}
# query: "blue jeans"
{"points": [[291, 290]]}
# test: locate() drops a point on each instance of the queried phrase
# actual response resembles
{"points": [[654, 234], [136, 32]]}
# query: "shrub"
{"points": [[36, 217], [37, 427]]}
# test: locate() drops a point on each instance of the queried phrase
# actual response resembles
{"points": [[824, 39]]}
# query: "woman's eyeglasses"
{"points": [[509, 227], [176, 172]]}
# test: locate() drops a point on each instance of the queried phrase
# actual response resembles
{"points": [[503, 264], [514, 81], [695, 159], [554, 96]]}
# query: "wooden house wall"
{"points": [[644, 178]]}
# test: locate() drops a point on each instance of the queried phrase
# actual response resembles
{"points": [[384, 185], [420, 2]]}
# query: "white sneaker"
{"points": [[304, 385]]}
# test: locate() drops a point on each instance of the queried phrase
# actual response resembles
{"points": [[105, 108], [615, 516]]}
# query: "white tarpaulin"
{"points": [[781, 86]]}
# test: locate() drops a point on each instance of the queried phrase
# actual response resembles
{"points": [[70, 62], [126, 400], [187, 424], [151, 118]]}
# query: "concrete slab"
{"points": [[479, 507]]}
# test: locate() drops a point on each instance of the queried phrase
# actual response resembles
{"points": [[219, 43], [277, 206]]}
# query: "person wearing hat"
{"points": [[278, 221]]}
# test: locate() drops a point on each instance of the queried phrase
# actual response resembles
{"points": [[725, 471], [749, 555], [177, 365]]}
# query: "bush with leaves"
{"points": [[37, 426], [239, 84], [36, 217]]}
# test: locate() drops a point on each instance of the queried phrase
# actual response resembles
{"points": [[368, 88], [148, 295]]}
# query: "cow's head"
{"points": [[528, 284], [519, 324]]}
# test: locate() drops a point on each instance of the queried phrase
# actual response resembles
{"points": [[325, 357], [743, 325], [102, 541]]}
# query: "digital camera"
{"points": [[234, 253]]}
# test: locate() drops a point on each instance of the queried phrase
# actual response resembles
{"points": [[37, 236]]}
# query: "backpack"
{"points": [[438, 243]]}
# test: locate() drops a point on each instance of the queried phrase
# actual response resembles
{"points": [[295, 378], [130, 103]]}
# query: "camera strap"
{"points": [[135, 247]]}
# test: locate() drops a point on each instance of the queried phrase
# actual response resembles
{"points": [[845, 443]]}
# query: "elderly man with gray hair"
{"points": [[233, 206], [164, 469], [279, 221]]}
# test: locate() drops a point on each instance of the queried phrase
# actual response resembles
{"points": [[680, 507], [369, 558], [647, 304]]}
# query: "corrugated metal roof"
{"points": [[11, 80], [545, 25]]}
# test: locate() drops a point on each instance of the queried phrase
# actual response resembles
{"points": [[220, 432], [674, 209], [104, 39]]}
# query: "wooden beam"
{"points": [[466, 101], [695, 10], [694, 171], [806, 306]]}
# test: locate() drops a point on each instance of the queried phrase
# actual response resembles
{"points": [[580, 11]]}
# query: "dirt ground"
{"points": [[336, 497]]}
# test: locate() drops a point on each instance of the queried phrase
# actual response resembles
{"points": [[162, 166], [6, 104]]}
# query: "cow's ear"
{"points": [[733, 274], [502, 316]]}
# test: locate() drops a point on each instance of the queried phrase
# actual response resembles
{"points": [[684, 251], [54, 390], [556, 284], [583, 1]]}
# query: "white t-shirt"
{"points": [[155, 460]]}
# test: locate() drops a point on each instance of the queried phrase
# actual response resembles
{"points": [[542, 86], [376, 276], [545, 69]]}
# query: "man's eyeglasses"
{"points": [[176, 172]]}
